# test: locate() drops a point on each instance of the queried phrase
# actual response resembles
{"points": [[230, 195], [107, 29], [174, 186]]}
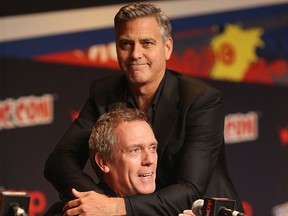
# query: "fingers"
{"points": [[72, 212], [76, 193], [79, 194], [71, 204], [186, 213], [75, 207], [87, 203]]}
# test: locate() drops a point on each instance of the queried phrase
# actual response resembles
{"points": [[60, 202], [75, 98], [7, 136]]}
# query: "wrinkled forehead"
{"points": [[137, 132]]}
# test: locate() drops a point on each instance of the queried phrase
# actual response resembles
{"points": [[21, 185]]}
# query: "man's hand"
{"points": [[92, 203], [187, 213]]}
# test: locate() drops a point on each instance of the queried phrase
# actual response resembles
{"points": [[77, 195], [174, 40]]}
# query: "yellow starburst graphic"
{"points": [[235, 50]]}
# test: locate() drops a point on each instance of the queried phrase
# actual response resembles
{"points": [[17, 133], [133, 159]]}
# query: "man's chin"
{"points": [[147, 190]]}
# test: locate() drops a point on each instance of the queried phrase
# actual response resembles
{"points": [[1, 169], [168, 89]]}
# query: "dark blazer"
{"points": [[188, 125]]}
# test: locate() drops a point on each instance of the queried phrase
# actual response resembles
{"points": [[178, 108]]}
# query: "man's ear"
{"points": [[168, 48], [101, 162]]}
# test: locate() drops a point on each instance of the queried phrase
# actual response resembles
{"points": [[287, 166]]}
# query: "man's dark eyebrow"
{"points": [[125, 40], [147, 39], [142, 40]]}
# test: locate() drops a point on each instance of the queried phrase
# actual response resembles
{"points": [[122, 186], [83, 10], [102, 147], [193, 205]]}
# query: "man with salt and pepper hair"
{"points": [[185, 113], [123, 146]]}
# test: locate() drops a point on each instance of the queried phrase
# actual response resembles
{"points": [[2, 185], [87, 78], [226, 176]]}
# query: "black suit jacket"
{"points": [[188, 125]]}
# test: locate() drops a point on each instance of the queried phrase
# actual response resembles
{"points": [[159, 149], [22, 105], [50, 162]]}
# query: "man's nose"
{"points": [[148, 157], [136, 51]]}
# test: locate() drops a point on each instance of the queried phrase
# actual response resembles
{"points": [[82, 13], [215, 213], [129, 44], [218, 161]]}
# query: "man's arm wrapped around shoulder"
{"points": [[64, 166]]}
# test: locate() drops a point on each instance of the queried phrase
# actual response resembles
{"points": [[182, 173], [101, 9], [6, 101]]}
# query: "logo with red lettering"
{"points": [[241, 127], [26, 111]]}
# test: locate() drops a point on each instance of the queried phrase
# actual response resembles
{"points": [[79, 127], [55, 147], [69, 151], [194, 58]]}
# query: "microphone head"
{"points": [[197, 207]]}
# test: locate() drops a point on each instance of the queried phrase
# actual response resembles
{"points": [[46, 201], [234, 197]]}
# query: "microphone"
{"points": [[14, 203], [215, 207], [16, 210], [197, 207]]}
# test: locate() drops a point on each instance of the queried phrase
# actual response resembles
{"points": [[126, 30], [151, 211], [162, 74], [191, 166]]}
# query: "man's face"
{"points": [[141, 52], [133, 170]]}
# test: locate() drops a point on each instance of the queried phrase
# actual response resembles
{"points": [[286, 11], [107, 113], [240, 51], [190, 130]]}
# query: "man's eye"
{"points": [[148, 43], [135, 150], [153, 148], [125, 44]]}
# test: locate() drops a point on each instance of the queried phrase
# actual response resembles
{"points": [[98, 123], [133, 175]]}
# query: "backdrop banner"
{"points": [[46, 70]]}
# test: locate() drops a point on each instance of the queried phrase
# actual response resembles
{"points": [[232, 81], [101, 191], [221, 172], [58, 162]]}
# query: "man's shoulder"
{"points": [[191, 89], [190, 84]]}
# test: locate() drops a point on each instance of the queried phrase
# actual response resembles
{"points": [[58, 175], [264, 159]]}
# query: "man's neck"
{"points": [[144, 94]]}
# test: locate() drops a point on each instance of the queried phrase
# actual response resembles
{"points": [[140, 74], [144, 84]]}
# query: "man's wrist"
{"points": [[119, 208]]}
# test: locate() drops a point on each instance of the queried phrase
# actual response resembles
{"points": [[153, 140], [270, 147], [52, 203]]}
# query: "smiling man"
{"points": [[122, 144], [123, 153]]}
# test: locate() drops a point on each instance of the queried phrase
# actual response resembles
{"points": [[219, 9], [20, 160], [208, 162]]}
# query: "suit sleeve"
{"points": [[64, 166], [196, 162]]}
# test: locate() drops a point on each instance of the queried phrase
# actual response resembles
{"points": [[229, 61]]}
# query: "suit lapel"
{"points": [[166, 112]]}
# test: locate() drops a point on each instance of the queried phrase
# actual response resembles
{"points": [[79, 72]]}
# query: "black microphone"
{"points": [[16, 210], [215, 207], [14, 203]]}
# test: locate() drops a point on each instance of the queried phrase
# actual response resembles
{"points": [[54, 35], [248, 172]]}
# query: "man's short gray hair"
{"points": [[103, 138], [142, 9]]}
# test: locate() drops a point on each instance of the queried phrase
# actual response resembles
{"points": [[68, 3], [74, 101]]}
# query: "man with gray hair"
{"points": [[186, 115], [123, 146]]}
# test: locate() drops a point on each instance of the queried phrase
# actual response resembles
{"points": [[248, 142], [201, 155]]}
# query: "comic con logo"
{"points": [[26, 111], [241, 127]]}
